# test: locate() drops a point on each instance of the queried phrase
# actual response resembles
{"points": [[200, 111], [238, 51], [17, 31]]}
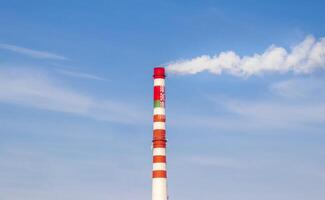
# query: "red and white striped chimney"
{"points": [[159, 170]]}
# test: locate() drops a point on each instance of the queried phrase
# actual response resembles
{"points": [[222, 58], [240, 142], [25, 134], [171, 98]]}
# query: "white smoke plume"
{"points": [[303, 58]]}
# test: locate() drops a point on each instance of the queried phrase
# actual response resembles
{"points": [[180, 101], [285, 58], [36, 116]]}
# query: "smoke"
{"points": [[303, 58]]}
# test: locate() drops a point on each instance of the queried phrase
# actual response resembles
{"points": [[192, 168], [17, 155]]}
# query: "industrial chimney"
{"points": [[159, 170]]}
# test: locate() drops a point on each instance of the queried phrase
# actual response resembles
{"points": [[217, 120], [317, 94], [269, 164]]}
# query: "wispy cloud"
{"points": [[294, 105], [31, 52], [305, 57], [257, 118], [220, 162], [258, 162], [278, 114], [80, 75], [38, 90], [299, 88], [29, 171]]}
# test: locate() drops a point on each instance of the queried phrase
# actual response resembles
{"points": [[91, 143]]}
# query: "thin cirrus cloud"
{"points": [[263, 117], [38, 90], [81, 75], [31, 52], [293, 105], [303, 58], [293, 89], [21, 162]]}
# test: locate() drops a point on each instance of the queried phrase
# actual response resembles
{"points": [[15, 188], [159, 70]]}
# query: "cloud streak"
{"points": [[303, 89], [31, 52], [303, 58], [291, 106], [38, 90], [80, 75]]}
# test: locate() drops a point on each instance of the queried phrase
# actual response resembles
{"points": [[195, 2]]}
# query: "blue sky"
{"points": [[76, 100]]}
